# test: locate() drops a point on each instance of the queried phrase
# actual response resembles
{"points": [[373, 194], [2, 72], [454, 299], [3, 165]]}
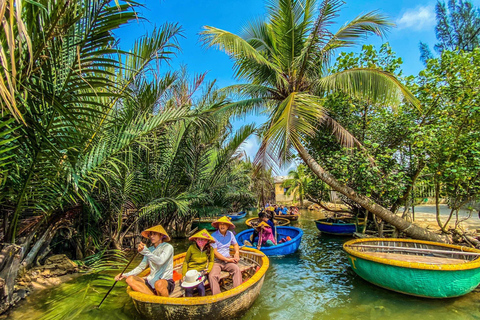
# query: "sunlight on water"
{"points": [[316, 282]]}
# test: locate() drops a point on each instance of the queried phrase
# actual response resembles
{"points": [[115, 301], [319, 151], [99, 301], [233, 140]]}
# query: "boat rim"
{"points": [[413, 265], [206, 299], [299, 235], [340, 224], [254, 218]]}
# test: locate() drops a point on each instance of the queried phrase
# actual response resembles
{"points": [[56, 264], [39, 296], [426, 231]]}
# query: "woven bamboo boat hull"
{"points": [[229, 304], [340, 229], [281, 249], [291, 217], [278, 222], [228, 308], [429, 276], [238, 216], [205, 223]]}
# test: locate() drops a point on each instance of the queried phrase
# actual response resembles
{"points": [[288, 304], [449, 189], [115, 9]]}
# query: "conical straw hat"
{"points": [[203, 234], [158, 229], [223, 220], [262, 224]]}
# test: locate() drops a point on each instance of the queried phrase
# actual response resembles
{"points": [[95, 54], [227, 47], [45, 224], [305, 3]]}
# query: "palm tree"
{"points": [[297, 183], [285, 61]]}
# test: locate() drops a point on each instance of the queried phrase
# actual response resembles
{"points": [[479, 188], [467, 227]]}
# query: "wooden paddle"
{"points": [[129, 262]]}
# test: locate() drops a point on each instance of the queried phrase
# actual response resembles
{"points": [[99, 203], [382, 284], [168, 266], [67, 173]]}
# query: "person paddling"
{"points": [[159, 257]]}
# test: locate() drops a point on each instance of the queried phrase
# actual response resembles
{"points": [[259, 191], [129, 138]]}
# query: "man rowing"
{"points": [[159, 258]]}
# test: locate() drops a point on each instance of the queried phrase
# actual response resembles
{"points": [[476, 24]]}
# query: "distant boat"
{"points": [[230, 303], [237, 216], [339, 226], [281, 249], [204, 223], [291, 217], [413, 267], [252, 222]]}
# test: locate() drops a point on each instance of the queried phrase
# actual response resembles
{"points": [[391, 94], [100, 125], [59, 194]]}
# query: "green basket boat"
{"points": [[204, 223], [418, 268]]}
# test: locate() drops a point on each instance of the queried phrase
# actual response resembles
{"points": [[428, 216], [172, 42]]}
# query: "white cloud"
{"points": [[417, 19]]}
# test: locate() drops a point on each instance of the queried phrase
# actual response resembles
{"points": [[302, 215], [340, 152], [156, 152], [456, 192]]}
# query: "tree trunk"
{"points": [[408, 228], [10, 257]]}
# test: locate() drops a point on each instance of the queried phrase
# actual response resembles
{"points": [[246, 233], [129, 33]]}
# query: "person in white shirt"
{"points": [[159, 257]]}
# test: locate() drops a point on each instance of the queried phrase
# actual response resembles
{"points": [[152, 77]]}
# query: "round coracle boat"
{"points": [[418, 268], [252, 222], [291, 217], [204, 223], [237, 216], [280, 249], [342, 226], [230, 303]]}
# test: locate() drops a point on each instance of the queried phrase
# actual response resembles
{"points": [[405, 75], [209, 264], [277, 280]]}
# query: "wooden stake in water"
{"points": [[117, 281]]}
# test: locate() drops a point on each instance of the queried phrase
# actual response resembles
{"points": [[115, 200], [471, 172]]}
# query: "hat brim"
{"points": [[146, 234], [192, 238], [231, 226], [192, 284]]}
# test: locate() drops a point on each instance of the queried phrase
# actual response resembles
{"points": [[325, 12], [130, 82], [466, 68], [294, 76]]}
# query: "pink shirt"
{"points": [[267, 235]]}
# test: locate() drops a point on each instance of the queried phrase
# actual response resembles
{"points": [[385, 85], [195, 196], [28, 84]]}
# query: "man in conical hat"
{"points": [[223, 260], [159, 257]]}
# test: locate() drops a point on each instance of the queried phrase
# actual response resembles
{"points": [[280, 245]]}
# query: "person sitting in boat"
{"points": [[276, 210], [224, 238], [293, 210], [265, 236], [283, 209], [199, 258], [262, 216], [159, 258]]}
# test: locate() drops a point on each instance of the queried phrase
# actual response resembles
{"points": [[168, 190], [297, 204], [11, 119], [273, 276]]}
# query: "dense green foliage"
{"points": [[98, 142]]}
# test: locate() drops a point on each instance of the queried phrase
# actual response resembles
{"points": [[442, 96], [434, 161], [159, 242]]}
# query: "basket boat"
{"points": [[228, 304], [237, 216], [339, 226], [413, 267], [291, 217], [280, 249], [204, 223], [252, 222]]}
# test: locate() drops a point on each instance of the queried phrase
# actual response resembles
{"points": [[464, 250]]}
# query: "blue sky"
{"points": [[415, 22]]}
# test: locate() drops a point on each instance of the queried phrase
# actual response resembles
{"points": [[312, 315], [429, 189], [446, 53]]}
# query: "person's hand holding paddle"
{"points": [[141, 246], [120, 277]]}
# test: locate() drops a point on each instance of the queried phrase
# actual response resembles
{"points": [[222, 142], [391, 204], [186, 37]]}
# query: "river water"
{"points": [[316, 282]]}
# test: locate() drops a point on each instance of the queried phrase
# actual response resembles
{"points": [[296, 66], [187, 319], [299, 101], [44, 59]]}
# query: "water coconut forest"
{"points": [[317, 176]]}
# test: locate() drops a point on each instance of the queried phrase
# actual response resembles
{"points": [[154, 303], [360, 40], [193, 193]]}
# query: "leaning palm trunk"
{"points": [[403, 225]]}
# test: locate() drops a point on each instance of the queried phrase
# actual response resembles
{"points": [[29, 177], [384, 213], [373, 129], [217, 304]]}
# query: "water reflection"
{"points": [[313, 283]]}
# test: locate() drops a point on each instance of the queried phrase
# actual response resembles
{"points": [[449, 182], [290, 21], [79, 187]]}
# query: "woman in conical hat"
{"points": [[225, 220], [159, 257], [199, 258], [265, 235], [223, 260]]}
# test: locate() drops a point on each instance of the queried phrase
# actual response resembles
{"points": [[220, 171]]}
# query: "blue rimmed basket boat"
{"points": [[413, 267], [238, 216], [339, 226], [280, 249]]}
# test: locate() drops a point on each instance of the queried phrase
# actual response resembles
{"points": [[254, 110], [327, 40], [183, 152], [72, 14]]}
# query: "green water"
{"points": [[313, 283]]}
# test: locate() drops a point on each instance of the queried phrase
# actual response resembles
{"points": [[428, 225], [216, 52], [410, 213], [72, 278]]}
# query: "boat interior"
{"points": [[415, 252], [249, 264]]}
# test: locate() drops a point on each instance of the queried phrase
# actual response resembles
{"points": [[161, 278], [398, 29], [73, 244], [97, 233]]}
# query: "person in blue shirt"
{"points": [[283, 209]]}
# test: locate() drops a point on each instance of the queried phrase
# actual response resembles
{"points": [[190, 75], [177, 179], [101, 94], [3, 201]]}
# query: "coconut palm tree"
{"points": [[285, 61], [297, 183]]}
